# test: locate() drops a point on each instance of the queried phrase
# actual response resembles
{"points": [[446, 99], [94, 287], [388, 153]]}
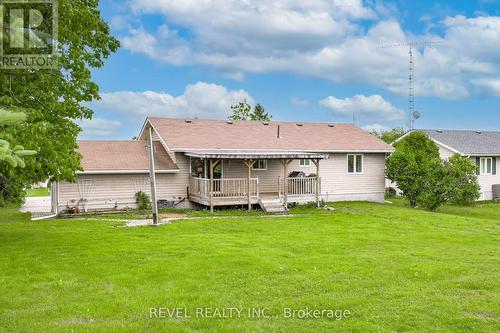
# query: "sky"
{"points": [[315, 60]]}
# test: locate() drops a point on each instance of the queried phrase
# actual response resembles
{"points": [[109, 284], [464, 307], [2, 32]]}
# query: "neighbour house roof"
{"points": [[278, 136], [124, 156], [468, 142]]}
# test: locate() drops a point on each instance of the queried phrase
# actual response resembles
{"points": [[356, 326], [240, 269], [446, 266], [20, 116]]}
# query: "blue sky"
{"points": [[316, 60]]}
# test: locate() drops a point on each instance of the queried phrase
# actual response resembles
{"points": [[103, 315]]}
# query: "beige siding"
{"points": [[487, 182], [336, 183], [106, 191]]}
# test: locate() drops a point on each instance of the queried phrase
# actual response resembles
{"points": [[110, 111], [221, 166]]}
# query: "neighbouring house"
{"points": [[207, 163], [483, 147]]}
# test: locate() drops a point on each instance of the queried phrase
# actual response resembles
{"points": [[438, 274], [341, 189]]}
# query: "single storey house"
{"points": [[207, 163], [483, 147]]}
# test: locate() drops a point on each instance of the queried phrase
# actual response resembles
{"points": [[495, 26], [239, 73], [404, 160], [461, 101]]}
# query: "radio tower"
{"points": [[411, 90], [412, 114]]}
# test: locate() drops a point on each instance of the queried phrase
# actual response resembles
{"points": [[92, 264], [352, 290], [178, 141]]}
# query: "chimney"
{"points": [[279, 132]]}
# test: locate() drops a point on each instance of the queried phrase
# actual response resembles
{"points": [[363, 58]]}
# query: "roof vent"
{"points": [[300, 124], [229, 122], [479, 132], [188, 121], [331, 125]]}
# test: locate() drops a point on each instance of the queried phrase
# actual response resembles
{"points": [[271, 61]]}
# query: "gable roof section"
{"points": [[474, 143], [123, 156], [197, 134]]}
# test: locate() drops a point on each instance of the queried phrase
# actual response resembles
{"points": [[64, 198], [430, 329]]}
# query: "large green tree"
{"points": [[410, 165], [52, 99]]}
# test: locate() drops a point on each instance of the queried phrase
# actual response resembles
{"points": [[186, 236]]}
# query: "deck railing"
{"points": [[223, 188], [304, 186]]}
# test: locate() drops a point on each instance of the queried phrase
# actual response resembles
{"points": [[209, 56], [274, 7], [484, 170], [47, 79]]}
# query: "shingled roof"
{"points": [[468, 142], [197, 134], [102, 156]]}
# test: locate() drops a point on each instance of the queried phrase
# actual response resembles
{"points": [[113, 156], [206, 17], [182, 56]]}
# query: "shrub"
{"points": [[409, 166], [435, 186], [463, 184], [142, 201]]}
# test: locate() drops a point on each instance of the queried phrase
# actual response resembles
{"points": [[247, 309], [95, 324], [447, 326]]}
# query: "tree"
{"points": [[411, 164], [463, 184], [243, 111], [260, 114], [53, 98], [389, 136]]}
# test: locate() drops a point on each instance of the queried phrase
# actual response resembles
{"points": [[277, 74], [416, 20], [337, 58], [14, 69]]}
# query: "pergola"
{"points": [[250, 157]]}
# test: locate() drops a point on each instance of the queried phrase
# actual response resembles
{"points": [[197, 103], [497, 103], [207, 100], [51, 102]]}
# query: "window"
{"points": [[355, 163], [260, 165], [486, 165], [304, 162]]}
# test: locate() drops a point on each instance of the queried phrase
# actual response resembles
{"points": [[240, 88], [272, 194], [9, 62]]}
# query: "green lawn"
{"points": [[37, 192], [391, 267]]}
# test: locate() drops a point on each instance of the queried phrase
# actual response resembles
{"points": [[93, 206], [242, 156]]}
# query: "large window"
{"points": [[304, 162], [355, 163], [486, 165], [260, 165]]}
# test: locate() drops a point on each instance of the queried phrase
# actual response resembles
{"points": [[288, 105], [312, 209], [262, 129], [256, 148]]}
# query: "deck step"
{"points": [[273, 206]]}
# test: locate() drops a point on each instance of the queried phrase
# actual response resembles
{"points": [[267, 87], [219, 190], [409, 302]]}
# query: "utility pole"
{"points": [[152, 177]]}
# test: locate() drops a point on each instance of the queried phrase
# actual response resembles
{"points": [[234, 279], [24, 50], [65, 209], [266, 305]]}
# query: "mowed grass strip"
{"points": [[393, 268]]}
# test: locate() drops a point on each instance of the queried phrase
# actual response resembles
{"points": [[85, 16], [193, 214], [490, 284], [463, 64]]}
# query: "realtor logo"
{"points": [[28, 34]]}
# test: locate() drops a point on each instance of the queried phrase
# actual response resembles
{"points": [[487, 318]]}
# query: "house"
{"points": [[208, 163], [483, 147]]}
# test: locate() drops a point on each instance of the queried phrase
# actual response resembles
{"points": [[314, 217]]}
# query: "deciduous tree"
{"points": [[54, 99]]}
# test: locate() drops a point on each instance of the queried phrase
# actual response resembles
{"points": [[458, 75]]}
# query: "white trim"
{"points": [[446, 146], [143, 127], [481, 159], [304, 165], [169, 151], [436, 141], [355, 164], [107, 172]]}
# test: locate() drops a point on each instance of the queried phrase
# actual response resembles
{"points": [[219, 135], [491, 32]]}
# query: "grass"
{"points": [[37, 192], [393, 268]]}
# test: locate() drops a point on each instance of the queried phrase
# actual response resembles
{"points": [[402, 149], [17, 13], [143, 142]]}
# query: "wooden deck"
{"points": [[234, 191]]}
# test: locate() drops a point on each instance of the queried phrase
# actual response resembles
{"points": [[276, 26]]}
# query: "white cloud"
{"points": [[364, 107], [298, 101], [491, 85], [320, 38], [98, 127], [204, 100], [236, 76], [375, 128]]}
